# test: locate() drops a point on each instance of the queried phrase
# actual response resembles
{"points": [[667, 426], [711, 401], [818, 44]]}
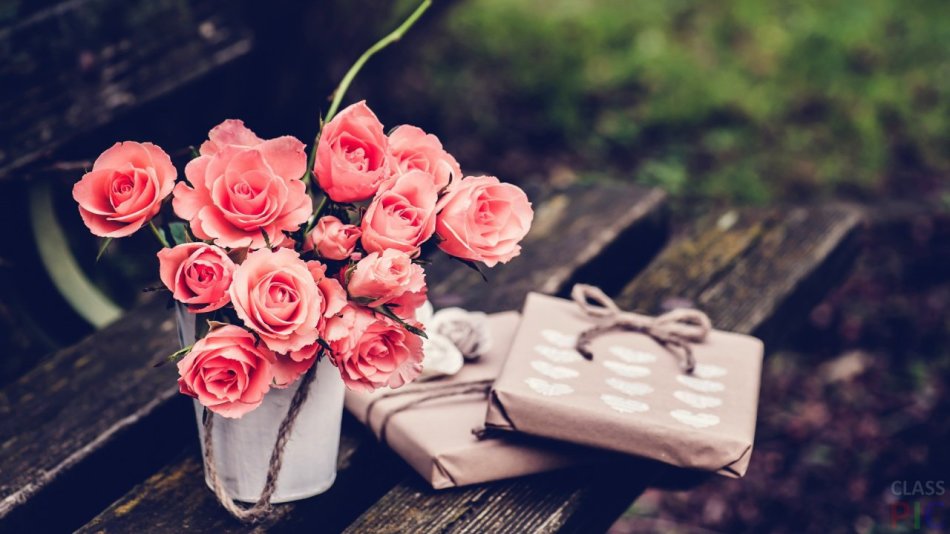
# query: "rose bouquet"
{"points": [[286, 258]]}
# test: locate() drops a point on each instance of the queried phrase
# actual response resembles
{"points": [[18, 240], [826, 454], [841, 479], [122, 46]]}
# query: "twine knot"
{"points": [[675, 330]]}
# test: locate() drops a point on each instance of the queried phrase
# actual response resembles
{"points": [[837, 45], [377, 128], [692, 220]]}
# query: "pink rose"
{"points": [[242, 186], [124, 189], [276, 294], [332, 294], [380, 279], [332, 239], [482, 219], [352, 155], [413, 149], [402, 216], [229, 134], [197, 274], [227, 371], [291, 366], [372, 351]]}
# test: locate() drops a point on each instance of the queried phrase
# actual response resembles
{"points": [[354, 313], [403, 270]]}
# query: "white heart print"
{"points": [[626, 369], [695, 420], [558, 355], [624, 405], [559, 339], [706, 370], [548, 389], [553, 371], [632, 356], [699, 384], [630, 388], [696, 400]]}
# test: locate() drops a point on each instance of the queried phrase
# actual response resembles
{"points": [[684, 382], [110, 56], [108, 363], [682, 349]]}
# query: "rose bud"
{"points": [[124, 189], [380, 279], [227, 371], [413, 149], [482, 219], [197, 274], [352, 155], [332, 239]]}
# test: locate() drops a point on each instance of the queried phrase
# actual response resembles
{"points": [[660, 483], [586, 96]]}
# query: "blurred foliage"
{"points": [[745, 100]]}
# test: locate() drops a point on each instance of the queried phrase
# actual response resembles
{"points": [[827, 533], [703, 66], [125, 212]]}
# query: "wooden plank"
{"points": [[71, 416], [176, 498], [625, 212], [576, 230], [744, 268], [75, 65]]}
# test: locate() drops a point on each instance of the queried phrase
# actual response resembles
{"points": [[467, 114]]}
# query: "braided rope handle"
{"points": [[262, 508]]}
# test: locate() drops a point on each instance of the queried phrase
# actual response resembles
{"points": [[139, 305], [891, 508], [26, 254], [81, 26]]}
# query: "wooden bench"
{"points": [[69, 67], [101, 437]]}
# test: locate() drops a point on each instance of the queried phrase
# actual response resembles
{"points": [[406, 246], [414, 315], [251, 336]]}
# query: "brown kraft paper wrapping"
{"points": [[435, 437], [632, 397]]}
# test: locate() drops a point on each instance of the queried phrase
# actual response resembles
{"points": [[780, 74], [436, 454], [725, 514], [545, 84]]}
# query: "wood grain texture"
{"points": [[366, 470], [743, 268], [63, 415], [572, 228], [72, 66], [176, 499]]}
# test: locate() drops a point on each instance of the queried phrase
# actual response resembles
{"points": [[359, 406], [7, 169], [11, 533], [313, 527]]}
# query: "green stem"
{"points": [[381, 44], [316, 213], [308, 176], [341, 89], [320, 206], [158, 234]]}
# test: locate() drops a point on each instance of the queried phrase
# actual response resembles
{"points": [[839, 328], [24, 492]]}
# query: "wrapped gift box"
{"points": [[435, 436], [632, 396]]}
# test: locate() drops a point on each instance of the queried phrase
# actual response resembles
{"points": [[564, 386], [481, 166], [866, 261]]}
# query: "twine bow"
{"points": [[675, 330]]}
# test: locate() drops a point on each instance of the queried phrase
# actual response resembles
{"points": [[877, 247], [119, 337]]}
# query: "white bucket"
{"points": [[243, 447]]}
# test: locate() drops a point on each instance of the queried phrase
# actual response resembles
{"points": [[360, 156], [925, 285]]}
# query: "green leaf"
{"points": [[473, 266], [348, 272], [179, 231], [388, 312], [102, 248], [266, 239], [175, 356], [159, 234], [445, 189]]}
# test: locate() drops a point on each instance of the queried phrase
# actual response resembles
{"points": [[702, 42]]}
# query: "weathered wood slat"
{"points": [[75, 411], [73, 66], [622, 211], [744, 269], [175, 499]]}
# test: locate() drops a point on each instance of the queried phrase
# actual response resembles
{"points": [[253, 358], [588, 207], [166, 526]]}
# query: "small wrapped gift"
{"points": [[668, 388], [430, 424]]}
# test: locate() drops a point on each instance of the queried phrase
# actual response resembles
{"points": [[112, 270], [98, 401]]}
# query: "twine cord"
{"points": [[262, 508], [439, 391], [675, 330]]}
